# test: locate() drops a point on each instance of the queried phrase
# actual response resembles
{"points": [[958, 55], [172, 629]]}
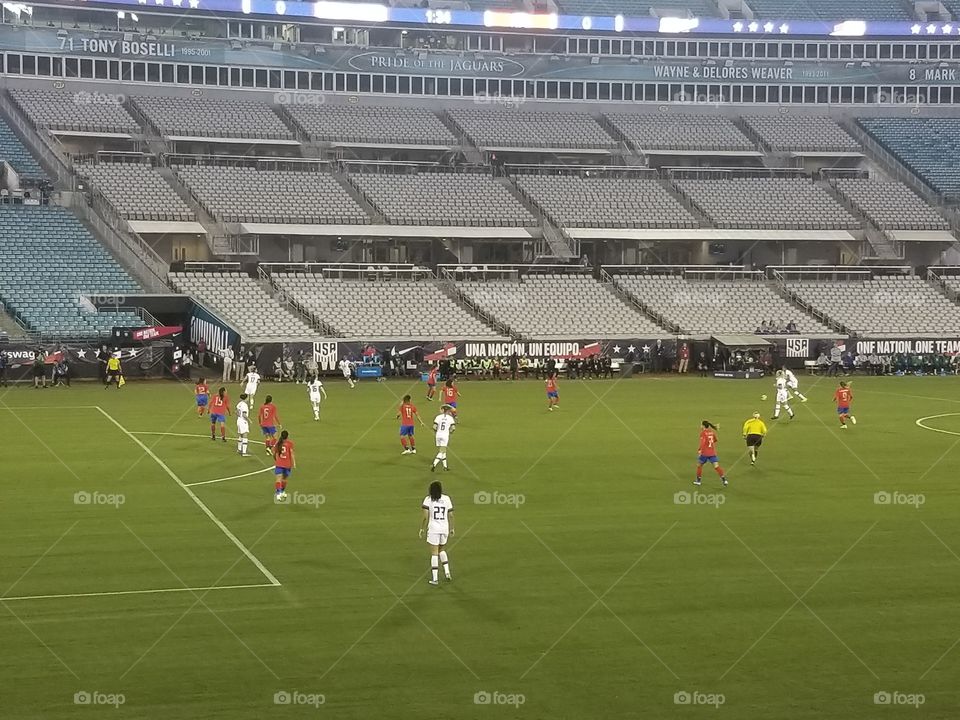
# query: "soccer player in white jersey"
{"points": [[783, 399], [437, 520], [792, 384], [252, 380], [315, 391], [243, 425], [443, 425], [346, 370]]}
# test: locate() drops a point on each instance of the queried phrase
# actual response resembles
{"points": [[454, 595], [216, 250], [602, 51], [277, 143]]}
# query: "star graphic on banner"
{"points": [[194, 4], [631, 348], [646, 348], [616, 349], [768, 27], [915, 29], [81, 353]]}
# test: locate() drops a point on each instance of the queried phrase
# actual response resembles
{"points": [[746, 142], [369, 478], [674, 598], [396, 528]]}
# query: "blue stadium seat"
{"points": [[14, 152], [926, 146], [48, 261], [830, 9]]}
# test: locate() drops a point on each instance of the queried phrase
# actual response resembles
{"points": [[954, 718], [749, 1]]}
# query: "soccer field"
{"points": [[148, 568]]}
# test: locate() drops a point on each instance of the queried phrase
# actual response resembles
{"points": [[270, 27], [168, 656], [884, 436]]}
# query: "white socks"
{"points": [[434, 567], [445, 561]]}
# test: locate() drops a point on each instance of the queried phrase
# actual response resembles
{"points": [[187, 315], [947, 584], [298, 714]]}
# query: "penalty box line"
{"points": [[153, 591], [207, 511]]}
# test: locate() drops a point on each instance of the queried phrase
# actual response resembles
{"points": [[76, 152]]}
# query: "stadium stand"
{"points": [[559, 306], [676, 131], [235, 194], [890, 205], [641, 8], [206, 117], [801, 133], [576, 201], [443, 198], [768, 203], [244, 304], [830, 9], [705, 307], [894, 304], [393, 308], [372, 124], [48, 260], [78, 111], [13, 152], [928, 147], [137, 191], [496, 128]]}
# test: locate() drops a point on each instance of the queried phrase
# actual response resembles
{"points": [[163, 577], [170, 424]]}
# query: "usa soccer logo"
{"points": [[798, 347], [325, 353]]}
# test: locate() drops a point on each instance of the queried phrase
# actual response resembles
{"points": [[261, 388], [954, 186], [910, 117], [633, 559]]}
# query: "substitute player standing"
{"points": [[437, 520], [843, 397], [269, 421], [443, 424], [202, 394], [783, 397], [708, 452], [315, 392], [754, 430], [252, 380], [219, 409], [793, 385], [243, 425], [407, 414]]}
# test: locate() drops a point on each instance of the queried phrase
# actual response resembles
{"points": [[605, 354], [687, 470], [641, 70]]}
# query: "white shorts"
{"points": [[436, 538], [250, 391], [793, 385], [781, 396], [243, 427], [315, 400], [442, 442], [346, 373]]}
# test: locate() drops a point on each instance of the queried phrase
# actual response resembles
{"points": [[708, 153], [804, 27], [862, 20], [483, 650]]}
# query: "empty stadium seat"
{"points": [[393, 308], [235, 194], [559, 306], [206, 117], [506, 127], [928, 147], [443, 198], [705, 307], [577, 201], [830, 9], [641, 8], [245, 305], [890, 205], [678, 131], [79, 111], [137, 191], [769, 203], [20, 159], [372, 124], [801, 133], [48, 261], [891, 304]]}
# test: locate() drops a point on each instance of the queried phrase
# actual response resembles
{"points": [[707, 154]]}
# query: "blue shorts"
{"points": [[406, 430], [217, 418], [843, 410], [452, 404], [268, 430], [708, 459], [282, 471], [553, 394], [201, 400]]}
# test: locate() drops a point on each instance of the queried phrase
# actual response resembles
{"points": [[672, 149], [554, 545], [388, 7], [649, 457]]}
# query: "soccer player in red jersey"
{"points": [[843, 397], [431, 383], [553, 395], [407, 414], [269, 421], [219, 409], [708, 452], [450, 395], [284, 463], [202, 394]]}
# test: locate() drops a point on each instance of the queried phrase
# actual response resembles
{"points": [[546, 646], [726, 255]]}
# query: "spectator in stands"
{"points": [[684, 358], [227, 354], [791, 327], [202, 352], [836, 356]]}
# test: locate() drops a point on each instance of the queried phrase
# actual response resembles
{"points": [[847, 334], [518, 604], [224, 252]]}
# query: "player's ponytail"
{"points": [[278, 450], [708, 424], [220, 392]]}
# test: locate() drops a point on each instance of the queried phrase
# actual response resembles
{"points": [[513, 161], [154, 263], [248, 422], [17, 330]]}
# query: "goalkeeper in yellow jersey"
{"points": [[754, 430]]}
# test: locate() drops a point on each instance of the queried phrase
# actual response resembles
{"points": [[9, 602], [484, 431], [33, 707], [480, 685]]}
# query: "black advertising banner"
{"points": [[906, 346], [82, 359]]}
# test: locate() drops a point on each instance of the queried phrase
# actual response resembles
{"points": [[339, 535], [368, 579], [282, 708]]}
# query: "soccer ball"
{"points": [[763, 397]]}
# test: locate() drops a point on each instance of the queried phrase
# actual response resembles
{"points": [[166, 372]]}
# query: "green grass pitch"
{"points": [[585, 587]]}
